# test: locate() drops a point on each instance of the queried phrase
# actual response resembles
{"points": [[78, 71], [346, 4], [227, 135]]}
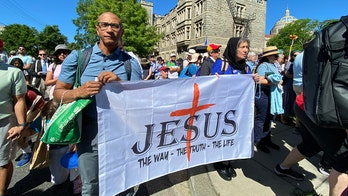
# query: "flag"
{"points": [[144, 133], [206, 41]]}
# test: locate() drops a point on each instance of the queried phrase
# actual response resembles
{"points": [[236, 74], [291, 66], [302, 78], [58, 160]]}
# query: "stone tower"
{"points": [[149, 9], [193, 22]]}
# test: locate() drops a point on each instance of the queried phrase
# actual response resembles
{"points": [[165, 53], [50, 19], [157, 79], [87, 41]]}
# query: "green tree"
{"points": [[49, 38], [139, 37], [16, 35], [303, 28]]}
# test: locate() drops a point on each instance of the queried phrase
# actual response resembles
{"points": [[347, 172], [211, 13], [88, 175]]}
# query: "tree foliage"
{"points": [[50, 37], [16, 35], [303, 28], [139, 37]]}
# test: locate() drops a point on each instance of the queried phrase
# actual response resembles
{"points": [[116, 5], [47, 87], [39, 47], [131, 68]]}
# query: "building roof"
{"points": [[282, 22]]}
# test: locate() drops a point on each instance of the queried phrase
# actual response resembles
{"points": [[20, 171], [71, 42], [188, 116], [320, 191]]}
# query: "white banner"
{"points": [[148, 129]]}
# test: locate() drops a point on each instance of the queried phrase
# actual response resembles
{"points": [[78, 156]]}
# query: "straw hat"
{"points": [[144, 61], [270, 50], [194, 58]]}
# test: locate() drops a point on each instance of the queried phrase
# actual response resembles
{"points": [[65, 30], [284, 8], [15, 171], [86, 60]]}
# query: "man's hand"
{"points": [[89, 89], [107, 77]]}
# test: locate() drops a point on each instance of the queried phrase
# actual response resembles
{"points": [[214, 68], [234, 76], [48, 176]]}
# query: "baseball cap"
{"points": [[163, 68], [213, 47], [172, 54]]}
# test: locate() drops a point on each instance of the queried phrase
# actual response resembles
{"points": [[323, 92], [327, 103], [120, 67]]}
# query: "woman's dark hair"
{"points": [[21, 64], [56, 60], [262, 60]]}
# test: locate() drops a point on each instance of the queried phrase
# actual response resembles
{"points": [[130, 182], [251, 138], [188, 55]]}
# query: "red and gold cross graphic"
{"points": [[191, 111]]}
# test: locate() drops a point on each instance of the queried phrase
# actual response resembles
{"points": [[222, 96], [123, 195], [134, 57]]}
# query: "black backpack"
{"points": [[325, 76]]}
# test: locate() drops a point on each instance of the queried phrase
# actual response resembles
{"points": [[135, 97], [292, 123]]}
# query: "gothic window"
{"points": [[173, 39], [198, 29], [188, 32], [240, 10], [238, 30], [199, 8]]}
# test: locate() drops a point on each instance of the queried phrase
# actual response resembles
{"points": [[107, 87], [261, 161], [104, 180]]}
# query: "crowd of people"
{"points": [[44, 81]]}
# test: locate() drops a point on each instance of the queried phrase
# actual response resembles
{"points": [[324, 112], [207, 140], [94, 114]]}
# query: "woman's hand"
{"points": [[15, 133], [256, 77], [262, 80]]}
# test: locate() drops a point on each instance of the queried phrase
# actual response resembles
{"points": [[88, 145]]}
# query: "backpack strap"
{"points": [[127, 65], [83, 58], [223, 66], [54, 66], [86, 56]]}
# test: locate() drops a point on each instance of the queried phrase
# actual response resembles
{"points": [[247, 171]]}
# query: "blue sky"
{"points": [[38, 13]]}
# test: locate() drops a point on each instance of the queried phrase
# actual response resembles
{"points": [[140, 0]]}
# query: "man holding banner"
{"points": [[106, 64]]}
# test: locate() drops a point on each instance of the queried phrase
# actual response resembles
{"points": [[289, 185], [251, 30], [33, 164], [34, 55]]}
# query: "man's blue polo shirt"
{"points": [[98, 63]]}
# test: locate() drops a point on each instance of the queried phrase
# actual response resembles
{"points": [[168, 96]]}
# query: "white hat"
{"points": [[172, 54], [191, 52]]}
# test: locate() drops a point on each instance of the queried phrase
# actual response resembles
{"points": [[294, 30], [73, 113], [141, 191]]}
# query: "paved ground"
{"points": [[254, 177]]}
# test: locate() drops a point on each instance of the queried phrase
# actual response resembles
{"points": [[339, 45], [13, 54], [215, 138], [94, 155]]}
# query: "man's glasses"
{"points": [[42, 54], [21, 48], [104, 26]]}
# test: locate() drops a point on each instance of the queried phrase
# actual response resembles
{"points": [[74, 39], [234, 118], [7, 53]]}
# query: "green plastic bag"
{"points": [[65, 124], [64, 127]]}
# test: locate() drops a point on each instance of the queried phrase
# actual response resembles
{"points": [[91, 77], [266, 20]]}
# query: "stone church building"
{"points": [[194, 23]]}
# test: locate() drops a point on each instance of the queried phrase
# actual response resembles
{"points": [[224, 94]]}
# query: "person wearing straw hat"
{"points": [[191, 69], [147, 68], [268, 100], [188, 58]]}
